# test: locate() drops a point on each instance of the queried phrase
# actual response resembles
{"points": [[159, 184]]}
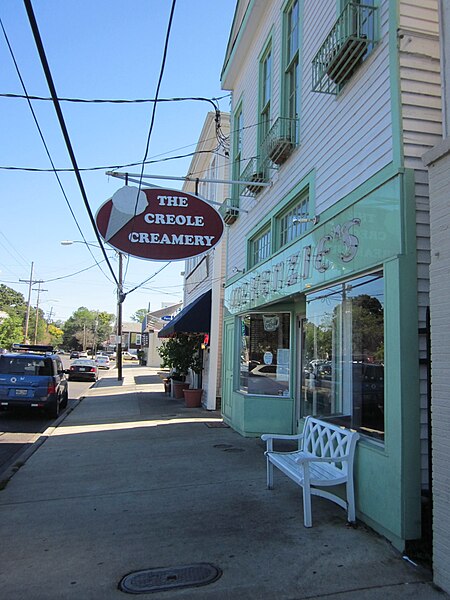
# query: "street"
{"points": [[19, 429]]}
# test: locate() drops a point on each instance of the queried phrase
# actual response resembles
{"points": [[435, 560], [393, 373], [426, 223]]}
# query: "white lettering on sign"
{"points": [[143, 237], [160, 219], [172, 200], [298, 266]]}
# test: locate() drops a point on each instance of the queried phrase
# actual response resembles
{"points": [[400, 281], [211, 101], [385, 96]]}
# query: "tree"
{"points": [[11, 301], [11, 328], [87, 328], [139, 315], [11, 331]]}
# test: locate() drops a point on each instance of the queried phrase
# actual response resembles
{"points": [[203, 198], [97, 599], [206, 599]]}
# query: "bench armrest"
{"points": [[304, 459], [269, 437]]}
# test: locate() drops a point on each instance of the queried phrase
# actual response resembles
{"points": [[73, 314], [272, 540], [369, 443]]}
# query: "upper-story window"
{"points": [[237, 139], [266, 92], [292, 68], [260, 247], [294, 222]]}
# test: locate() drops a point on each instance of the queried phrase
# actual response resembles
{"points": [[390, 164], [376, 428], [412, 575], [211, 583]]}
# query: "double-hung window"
{"points": [[292, 69], [294, 221], [237, 153], [266, 93], [260, 247]]}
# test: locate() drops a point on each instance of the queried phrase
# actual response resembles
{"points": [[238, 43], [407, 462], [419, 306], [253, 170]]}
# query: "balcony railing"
{"points": [[254, 171], [229, 210], [350, 41], [279, 142]]}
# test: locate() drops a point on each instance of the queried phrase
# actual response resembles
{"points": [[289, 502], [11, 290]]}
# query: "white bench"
{"points": [[324, 458]]}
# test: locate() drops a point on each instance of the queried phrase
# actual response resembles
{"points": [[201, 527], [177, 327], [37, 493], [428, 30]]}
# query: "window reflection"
{"points": [[265, 354], [343, 354]]}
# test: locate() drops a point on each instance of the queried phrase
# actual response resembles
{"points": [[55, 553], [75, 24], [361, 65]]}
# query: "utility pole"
{"points": [[120, 299], [30, 282], [39, 290]]}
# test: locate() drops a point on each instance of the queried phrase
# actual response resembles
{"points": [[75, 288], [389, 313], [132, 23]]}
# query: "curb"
{"points": [[19, 459]]}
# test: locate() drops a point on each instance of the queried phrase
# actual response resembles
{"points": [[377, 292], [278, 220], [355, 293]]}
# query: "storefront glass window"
{"points": [[265, 354], [343, 354]]}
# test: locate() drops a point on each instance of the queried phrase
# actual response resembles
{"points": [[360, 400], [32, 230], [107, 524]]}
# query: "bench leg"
{"points": [[269, 475], [307, 516], [351, 501]]}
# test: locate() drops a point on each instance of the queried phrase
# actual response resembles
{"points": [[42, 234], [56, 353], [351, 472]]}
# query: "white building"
{"points": [[204, 274], [326, 299], [438, 161]]}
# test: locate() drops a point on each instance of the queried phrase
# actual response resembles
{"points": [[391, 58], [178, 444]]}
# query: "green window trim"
{"points": [[290, 88], [260, 247], [265, 96], [294, 221], [237, 165]]}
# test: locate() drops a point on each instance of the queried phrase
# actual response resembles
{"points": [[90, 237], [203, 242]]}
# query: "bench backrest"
{"points": [[328, 440]]}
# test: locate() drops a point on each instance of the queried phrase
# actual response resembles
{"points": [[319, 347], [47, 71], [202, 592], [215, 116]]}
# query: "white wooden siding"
{"points": [[420, 84], [359, 119], [439, 295]]}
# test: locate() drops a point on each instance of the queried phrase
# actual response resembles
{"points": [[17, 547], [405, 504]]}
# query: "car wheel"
{"points": [[65, 399], [54, 409]]}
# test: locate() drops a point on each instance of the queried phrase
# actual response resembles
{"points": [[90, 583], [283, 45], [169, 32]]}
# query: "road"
{"points": [[20, 429]]}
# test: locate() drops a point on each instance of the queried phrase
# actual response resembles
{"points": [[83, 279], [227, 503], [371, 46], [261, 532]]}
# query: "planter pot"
{"points": [[178, 387], [193, 398]]}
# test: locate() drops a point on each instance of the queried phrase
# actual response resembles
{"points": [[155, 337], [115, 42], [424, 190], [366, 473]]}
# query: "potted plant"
{"points": [[181, 353]]}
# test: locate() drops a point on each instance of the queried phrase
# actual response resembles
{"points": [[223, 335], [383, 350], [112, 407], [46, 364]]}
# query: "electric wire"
{"points": [[42, 137], [50, 83], [152, 120]]}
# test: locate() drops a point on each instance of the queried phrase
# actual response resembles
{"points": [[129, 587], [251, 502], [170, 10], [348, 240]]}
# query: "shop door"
{"points": [[228, 368]]}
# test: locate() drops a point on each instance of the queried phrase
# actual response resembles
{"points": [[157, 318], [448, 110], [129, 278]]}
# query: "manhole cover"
{"points": [[169, 578]]}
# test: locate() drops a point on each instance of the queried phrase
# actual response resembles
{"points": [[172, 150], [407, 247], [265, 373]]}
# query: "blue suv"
{"points": [[33, 376]]}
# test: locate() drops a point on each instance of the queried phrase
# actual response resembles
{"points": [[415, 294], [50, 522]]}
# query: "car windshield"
{"points": [[23, 365]]}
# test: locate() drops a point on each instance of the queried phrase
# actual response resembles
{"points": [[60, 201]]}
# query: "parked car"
{"points": [[128, 356], [83, 355], [103, 362], [33, 377], [83, 369], [74, 354]]}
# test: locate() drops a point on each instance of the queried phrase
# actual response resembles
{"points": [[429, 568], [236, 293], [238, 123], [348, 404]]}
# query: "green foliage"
{"points": [[139, 315], [11, 328], [11, 301], [87, 328], [11, 331], [182, 353]]}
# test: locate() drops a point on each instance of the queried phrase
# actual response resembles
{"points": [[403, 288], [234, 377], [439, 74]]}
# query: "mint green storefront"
{"points": [[328, 326]]}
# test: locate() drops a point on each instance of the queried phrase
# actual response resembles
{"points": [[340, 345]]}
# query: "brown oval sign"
{"points": [[159, 224]]}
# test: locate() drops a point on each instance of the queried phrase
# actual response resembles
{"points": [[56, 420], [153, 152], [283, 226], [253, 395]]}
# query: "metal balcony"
{"points": [[279, 142], [229, 210], [253, 172], [350, 41]]}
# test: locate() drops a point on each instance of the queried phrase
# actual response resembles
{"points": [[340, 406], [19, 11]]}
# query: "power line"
{"points": [[46, 68], [43, 140], [213, 101], [152, 120]]}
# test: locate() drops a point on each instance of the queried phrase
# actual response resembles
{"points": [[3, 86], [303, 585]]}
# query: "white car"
{"points": [[103, 362], [129, 356]]}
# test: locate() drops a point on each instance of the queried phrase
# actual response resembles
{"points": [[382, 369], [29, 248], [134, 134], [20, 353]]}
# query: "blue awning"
{"points": [[194, 318]]}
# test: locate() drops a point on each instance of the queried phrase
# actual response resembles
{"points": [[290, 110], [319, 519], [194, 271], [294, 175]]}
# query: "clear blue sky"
{"points": [[102, 49]]}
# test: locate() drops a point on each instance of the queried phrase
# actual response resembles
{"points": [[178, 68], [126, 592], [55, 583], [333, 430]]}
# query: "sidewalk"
{"points": [[132, 480]]}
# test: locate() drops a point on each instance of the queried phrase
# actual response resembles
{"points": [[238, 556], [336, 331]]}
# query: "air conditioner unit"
{"points": [[230, 215], [346, 59], [255, 189], [280, 149]]}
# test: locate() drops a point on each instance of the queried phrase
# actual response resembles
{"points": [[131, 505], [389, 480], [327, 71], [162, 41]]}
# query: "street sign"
{"points": [[166, 318], [159, 224]]}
